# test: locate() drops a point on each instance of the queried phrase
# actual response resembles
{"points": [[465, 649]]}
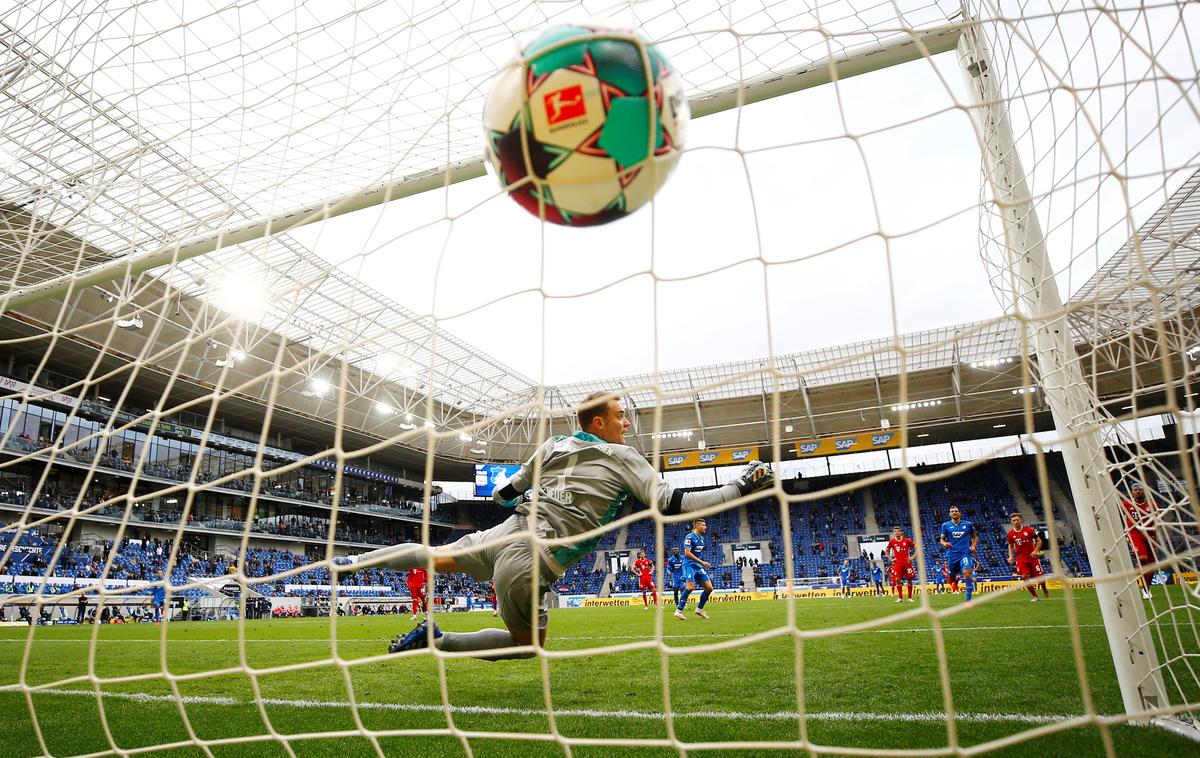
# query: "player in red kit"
{"points": [[1024, 547], [900, 550], [1139, 530], [418, 582], [644, 568]]}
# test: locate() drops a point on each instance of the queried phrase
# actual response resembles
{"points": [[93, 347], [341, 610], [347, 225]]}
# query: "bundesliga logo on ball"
{"points": [[586, 126]]}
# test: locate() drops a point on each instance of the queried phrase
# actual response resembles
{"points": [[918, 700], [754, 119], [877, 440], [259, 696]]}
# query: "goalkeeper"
{"points": [[584, 481]]}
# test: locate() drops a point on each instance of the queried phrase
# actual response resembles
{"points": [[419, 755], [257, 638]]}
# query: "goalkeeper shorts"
{"points": [[498, 554]]}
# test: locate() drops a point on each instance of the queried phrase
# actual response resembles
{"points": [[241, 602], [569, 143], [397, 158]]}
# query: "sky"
{"points": [[776, 233]]}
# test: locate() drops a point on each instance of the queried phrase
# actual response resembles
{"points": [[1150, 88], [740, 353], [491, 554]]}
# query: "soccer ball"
{"points": [[577, 129]]}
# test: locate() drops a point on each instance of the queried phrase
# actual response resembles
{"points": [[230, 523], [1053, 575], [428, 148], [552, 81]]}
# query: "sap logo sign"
{"points": [[741, 455], [845, 444], [881, 439], [674, 460], [708, 457], [809, 447]]}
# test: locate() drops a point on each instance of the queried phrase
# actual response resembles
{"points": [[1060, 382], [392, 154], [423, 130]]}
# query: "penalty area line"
{"points": [[850, 716]]}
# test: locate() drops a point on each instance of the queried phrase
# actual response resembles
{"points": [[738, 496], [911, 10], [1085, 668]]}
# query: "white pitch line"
{"points": [[859, 631], [923, 717], [920, 630]]}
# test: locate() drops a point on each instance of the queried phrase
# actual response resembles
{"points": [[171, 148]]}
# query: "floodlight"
{"points": [[383, 409], [317, 388], [240, 296]]}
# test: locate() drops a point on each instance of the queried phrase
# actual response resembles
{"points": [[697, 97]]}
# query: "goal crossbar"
{"points": [[849, 63]]}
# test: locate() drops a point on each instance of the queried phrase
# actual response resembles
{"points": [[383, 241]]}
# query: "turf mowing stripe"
{"points": [[925, 717], [918, 630]]}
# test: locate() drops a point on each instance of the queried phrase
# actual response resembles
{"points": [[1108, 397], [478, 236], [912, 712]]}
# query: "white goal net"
{"points": [[262, 306]]}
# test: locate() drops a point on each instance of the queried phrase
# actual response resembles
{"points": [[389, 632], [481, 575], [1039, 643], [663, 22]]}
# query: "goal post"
{"points": [[1074, 406]]}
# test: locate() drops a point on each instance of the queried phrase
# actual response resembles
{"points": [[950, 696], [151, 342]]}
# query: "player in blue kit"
{"points": [[674, 566], [694, 570], [844, 577], [877, 580], [959, 538], [158, 597]]}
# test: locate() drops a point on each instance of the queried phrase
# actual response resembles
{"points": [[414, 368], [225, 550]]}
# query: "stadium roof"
{"points": [[153, 148], [1163, 256], [90, 170]]}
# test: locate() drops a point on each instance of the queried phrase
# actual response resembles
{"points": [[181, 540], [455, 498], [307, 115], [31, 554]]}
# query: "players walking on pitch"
{"points": [[900, 551], [1139, 530], [844, 577], [418, 584], [674, 566], [643, 567], [960, 539], [694, 570], [1024, 549], [877, 580], [584, 479]]}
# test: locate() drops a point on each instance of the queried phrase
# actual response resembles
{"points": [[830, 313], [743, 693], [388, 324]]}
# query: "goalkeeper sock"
{"points": [[703, 599], [407, 556], [484, 639], [682, 600]]}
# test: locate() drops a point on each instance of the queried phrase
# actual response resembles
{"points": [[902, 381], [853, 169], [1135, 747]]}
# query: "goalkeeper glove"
{"points": [[344, 564], [755, 476]]}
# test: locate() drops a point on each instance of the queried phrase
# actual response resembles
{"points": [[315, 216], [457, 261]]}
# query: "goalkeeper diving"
{"points": [[584, 479]]}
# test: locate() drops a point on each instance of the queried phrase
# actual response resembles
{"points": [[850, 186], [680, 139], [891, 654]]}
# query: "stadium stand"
{"points": [[819, 530]]}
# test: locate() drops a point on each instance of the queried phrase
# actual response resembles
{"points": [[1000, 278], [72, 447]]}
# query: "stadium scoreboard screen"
{"points": [[488, 476]]}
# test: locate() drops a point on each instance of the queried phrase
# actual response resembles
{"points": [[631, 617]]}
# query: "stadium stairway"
{"points": [[1060, 494], [622, 536], [744, 535], [871, 524], [1023, 506]]}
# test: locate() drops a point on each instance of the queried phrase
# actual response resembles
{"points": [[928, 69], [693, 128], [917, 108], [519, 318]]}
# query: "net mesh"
{"points": [[222, 426]]}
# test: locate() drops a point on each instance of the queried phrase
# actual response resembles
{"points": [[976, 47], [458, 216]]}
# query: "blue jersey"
{"points": [[158, 594], [675, 564], [959, 536], [877, 574], [696, 543], [844, 573]]}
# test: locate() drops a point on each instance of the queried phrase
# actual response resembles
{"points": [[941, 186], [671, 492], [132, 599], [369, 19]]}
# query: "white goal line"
{"points": [[700, 636], [373, 640], [484, 710]]}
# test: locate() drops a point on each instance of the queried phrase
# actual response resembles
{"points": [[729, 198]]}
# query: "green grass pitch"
{"points": [[1010, 664]]}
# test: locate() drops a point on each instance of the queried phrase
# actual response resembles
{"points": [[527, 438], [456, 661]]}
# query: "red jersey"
{"points": [[1023, 541], [643, 567], [901, 549], [1139, 515], [417, 578]]}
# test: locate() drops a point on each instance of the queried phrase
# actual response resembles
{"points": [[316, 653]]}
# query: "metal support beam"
{"points": [[956, 381], [699, 415], [808, 406], [1072, 403], [849, 63]]}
